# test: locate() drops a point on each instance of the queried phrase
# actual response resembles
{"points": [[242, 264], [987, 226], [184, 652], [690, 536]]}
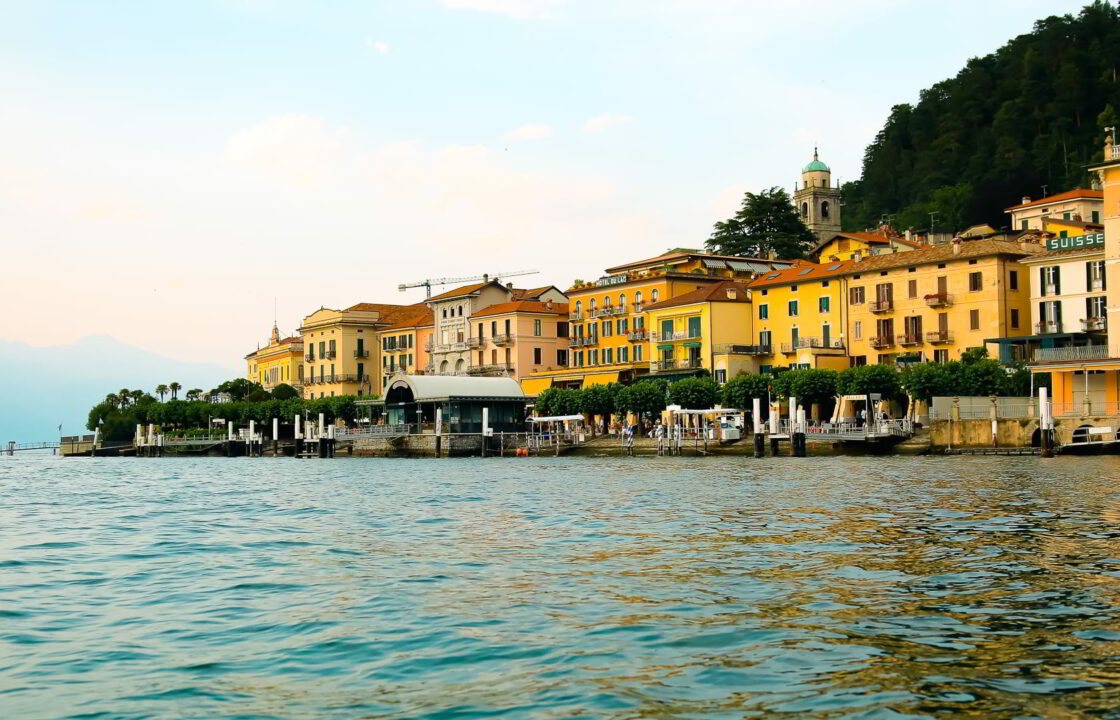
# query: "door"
{"points": [[826, 335], [942, 285], [694, 327]]}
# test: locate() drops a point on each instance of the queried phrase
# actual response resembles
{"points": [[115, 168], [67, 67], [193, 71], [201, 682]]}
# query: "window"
{"points": [[1063, 233], [1094, 307], [1051, 278], [763, 312], [974, 319], [624, 354], [608, 356], [941, 266], [592, 357], [653, 295], [637, 353], [1014, 319], [793, 308], [793, 288], [579, 306], [1065, 216], [857, 329], [764, 292], [764, 338], [912, 289], [694, 327], [855, 296], [822, 304], [859, 360], [972, 262], [608, 328], [824, 283], [622, 300], [721, 377], [1094, 275], [975, 282], [1013, 280], [1096, 215], [460, 311], [1023, 225], [561, 357], [941, 356], [537, 329], [536, 356], [638, 298], [445, 313]]}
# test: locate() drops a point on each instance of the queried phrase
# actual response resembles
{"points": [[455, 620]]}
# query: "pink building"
{"points": [[520, 337]]}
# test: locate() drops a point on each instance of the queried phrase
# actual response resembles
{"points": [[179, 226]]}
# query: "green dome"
{"points": [[816, 165]]}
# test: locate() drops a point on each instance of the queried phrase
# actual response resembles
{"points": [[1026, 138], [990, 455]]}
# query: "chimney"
{"points": [[857, 255], [909, 235], [1077, 217], [731, 294], [1026, 199], [485, 278], [957, 245], [509, 286], [548, 305]]}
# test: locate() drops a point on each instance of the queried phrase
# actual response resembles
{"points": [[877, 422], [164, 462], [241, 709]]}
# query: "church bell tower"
{"points": [[817, 201]]}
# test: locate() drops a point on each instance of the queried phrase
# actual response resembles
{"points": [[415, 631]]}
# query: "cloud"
{"points": [[606, 121], [292, 150], [529, 132], [379, 47], [518, 9]]}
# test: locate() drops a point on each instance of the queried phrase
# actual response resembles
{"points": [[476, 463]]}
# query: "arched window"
{"points": [[653, 296], [445, 313], [638, 298], [444, 367], [606, 301], [804, 210], [460, 311], [591, 305], [459, 365], [622, 300], [824, 209], [579, 306]]}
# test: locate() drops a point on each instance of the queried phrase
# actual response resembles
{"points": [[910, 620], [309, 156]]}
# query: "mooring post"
{"points": [[1046, 424], [799, 444], [756, 418]]}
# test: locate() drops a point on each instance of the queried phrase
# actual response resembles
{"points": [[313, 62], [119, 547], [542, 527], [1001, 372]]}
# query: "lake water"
{"points": [[556, 588]]}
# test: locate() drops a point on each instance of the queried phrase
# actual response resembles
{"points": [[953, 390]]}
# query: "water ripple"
{"points": [[555, 588]]}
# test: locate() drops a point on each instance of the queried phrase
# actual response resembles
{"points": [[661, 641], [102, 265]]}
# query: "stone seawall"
{"points": [[1009, 432]]}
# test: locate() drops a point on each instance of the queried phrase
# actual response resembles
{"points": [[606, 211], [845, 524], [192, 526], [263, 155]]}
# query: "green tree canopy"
{"points": [[694, 393], [767, 221], [741, 390], [864, 379], [645, 398], [284, 391]]}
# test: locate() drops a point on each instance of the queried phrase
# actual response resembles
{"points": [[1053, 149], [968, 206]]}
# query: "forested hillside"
{"points": [[1028, 115]]}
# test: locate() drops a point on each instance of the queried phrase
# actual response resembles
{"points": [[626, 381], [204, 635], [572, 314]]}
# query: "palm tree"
{"points": [[137, 395], [124, 396], [161, 390], [194, 394], [112, 400], [174, 388]]}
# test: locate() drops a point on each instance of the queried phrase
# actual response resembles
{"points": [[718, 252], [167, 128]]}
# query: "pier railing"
{"points": [[1072, 352]]}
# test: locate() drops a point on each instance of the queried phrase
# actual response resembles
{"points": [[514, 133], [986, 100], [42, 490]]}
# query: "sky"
{"points": [[177, 174]]}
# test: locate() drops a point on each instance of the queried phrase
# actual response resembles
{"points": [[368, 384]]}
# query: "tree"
{"points": [[741, 390], [161, 390], [694, 393], [237, 388], [284, 391], [124, 396], [597, 400], [813, 386], [174, 388], [865, 379], [925, 381], [194, 394], [767, 221], [645, 398], [258, 395]]}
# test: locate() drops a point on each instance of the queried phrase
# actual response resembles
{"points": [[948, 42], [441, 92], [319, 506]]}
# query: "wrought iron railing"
{"points": [[1048, 327], [1071, 352], [939, 337], [880, 306], [939, 300], [1092, 324]]}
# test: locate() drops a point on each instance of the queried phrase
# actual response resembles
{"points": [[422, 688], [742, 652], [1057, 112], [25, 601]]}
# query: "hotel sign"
{"points": [[1068, 243]]}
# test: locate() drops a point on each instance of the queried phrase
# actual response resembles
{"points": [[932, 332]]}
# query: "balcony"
{"points": [[575, 315], [491, 370], [337, 378], [939, 337], [1094, 324], [937, 300], [658, 336], [583, 341], [880, 306], [910, 339], [669, 365], [1047, 327], [881, 342], [329, 355], [429, 346], [637, 335], [361, 353], [637, 307], [502, 339], [309, 357], [758, 350], [813, 343], [473, 342], [1071, 353]]}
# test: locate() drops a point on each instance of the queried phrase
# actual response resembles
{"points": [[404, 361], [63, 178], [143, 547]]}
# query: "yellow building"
{"points": [[1079, 204], [279, 362], [405, 344], [608, 334], [800, 318], [848, 245], [342, 349], [706, 329], [936, 302]]}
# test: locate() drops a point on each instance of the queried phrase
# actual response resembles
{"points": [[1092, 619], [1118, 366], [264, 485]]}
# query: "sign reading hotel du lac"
{"points": [[1066, 243]]}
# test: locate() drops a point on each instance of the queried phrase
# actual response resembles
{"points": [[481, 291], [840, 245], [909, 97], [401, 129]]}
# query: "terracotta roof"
{"points": [[531, 293], [682, 255], [939, 253], [525, 306], [461, 291], [714, 293], [799, 275], [412, 316], [1075, 223], [382, 308], [1081, 193], [1088, 250], [872, 238]]}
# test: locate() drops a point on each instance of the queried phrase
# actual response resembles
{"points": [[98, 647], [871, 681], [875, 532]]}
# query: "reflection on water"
{"points": [[661, 588]]}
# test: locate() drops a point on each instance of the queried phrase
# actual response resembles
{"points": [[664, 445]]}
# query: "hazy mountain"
{"points": [[41, 387]]}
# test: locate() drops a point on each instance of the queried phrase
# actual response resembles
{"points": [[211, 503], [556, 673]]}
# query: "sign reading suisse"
{"points": [[1066, 243]]}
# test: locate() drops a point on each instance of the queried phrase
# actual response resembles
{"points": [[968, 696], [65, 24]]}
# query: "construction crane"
{"points": [[428, 283]]}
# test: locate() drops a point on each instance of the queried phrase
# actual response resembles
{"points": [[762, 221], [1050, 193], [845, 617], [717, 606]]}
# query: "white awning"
{"points": [[555, 418]]}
